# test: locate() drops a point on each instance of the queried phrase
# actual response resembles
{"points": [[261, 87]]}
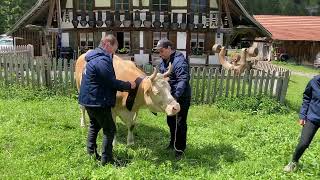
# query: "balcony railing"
{"points": [[143, 19]]}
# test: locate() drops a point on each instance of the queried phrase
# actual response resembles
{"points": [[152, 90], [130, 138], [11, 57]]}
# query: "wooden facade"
{"points": [[301, 52], [192, 25]]}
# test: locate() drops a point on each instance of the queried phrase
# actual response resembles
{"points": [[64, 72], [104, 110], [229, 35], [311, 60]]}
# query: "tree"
{"points": [[279, 7], [11, 11]]}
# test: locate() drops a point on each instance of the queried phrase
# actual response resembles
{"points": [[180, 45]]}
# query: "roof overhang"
{"points": [[246, 21], [32, 16]]}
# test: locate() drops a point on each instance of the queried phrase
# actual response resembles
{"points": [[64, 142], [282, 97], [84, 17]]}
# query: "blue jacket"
{"points": [[179, 77], [99, 84], [310, 109]]}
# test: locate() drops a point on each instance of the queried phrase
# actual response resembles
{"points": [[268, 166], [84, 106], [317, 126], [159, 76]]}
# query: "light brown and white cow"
{"points": [[153, 93]]}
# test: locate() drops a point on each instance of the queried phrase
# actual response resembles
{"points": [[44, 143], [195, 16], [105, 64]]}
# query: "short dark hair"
{"points": [[109, 38], [164, 43]]}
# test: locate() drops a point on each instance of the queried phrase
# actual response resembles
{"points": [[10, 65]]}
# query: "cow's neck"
{"points": [[133, 93], [140, 100]]}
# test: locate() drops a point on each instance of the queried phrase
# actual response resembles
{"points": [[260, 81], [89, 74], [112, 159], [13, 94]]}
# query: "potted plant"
{"points": [[123, 51]]}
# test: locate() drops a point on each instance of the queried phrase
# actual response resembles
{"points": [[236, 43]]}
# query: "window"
{"points": [[86, 41], [84, 4], [124, 42], [122, 5], [198, 6], [160, 5], [197, 43], [157, 36]]}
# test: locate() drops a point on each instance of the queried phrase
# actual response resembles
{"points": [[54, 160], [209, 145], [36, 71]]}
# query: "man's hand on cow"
{"points": [[133, 84]]}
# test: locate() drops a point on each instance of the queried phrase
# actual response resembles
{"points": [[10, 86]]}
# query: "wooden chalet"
{"points": [[70, 27], [293, 37]]}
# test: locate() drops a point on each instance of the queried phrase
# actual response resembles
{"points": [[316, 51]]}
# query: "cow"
{"points": [[153, 93], [239, 62]]}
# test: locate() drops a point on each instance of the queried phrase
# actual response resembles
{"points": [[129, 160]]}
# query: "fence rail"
{"points": [[267, 66], [21, 50], [208, 83]]}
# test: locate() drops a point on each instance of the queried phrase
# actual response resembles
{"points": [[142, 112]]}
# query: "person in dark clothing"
{"points": [[98, 94], [180, 90], [309, 119]]}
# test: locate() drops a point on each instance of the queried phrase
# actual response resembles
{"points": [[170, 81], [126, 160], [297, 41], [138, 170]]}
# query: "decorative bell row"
{"points": [[113, 20]]}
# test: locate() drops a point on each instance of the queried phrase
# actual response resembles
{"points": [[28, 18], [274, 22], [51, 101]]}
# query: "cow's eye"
{"points": [[155, 91]]}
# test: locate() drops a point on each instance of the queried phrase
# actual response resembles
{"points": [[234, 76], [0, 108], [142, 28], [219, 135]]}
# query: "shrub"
{"points": [[26, 93], [253, 105]]}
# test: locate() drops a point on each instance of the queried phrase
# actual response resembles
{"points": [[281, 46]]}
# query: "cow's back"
{"points": [[125, 70], [79, 67]]}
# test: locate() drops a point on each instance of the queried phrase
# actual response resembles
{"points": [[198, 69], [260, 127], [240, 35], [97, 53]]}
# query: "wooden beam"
{"points": [[226, 5], [220, 13], [50, 15], [59, 19]]}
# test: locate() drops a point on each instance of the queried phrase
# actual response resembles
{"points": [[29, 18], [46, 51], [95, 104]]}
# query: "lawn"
{"points": [[41, 138], [298, 68]]}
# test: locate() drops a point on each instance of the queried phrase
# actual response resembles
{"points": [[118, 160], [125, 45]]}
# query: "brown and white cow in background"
{"points": [[152, 93], [239, 61]]}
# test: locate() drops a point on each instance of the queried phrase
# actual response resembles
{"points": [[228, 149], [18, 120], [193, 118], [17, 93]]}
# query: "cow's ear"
{"points": [[167, 79]]}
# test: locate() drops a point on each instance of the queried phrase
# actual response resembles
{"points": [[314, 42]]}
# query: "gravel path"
{"points": [[308, 75]]}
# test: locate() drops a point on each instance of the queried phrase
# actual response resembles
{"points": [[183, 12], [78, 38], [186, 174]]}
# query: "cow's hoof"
{"points": [[131, 143]]}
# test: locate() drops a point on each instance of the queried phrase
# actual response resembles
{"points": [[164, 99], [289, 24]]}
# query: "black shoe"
{"points": [[170, 147], [179, 155], [98, 157], [107, 161], [95, 156]]}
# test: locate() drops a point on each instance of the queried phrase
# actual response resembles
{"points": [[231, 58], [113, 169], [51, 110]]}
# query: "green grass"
{"points": [[41, 138], [297, 85], [298, 68]]}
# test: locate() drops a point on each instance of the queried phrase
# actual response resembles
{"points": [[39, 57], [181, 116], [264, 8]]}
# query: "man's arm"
{"points": [[107, 74], [182, 73], [307, 95]]}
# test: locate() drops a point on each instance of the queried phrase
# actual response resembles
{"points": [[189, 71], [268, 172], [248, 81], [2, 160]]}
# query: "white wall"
{"points": [[65, 40], [69, 4], [102, 3], [181, 40]]}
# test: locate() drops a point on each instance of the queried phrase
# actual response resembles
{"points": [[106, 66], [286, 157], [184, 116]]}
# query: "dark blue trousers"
{"points": [[101, 118], [179, 135]]}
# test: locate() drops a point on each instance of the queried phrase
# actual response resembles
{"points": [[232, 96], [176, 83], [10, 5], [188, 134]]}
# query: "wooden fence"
{"points": [[267, 66], [208, 83], [21, 50]]}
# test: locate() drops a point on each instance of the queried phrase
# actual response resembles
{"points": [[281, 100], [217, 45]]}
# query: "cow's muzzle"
{"points": [[173, 108]]}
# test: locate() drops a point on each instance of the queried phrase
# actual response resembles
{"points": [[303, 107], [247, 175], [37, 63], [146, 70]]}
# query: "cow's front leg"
{"points": [[114, 117], [131, 124], [130, 138], [83, 116]]}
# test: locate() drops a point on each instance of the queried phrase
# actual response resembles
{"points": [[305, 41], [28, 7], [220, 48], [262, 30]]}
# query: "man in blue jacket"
{"points": [[180, 90], [309, 119], [98, 94]]}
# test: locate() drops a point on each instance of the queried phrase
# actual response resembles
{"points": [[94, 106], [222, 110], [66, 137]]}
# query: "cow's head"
{"points": [[157, 94]]}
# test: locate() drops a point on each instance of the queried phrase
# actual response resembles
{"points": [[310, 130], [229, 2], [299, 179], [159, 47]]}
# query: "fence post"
{"points": [[30, 50], [284, 87]]}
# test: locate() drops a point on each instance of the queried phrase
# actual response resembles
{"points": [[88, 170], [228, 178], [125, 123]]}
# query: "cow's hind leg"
{"points": [[83, 116]]}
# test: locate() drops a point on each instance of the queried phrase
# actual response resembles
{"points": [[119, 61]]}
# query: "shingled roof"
{"points": [[291, 28]]}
